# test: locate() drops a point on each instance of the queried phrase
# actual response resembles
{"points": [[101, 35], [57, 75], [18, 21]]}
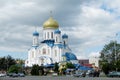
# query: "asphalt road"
{"points": [[57, 78]]}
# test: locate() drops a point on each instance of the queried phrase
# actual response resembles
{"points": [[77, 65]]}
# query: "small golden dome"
{"points": [[50, 23]]}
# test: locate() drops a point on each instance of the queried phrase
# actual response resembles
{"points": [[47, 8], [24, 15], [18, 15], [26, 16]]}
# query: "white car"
{"points": [[2, 75]]}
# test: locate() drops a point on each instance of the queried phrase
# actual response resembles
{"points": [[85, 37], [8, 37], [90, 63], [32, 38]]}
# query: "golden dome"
{"points": [[50, 23]]}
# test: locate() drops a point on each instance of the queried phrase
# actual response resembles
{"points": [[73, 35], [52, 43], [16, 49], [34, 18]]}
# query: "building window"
{"points": [[45, 35], [51, 34], [48, 35], [56, 38], [64, 42], [34, 41], [44, 51], [55, 53], [32, 54]]}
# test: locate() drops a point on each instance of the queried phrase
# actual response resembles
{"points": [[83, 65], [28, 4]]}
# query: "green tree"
{"points": [[105, 67], [3, 63], [56, 67], [69, 65], [35, 70], [10, 61], [110, 56], [20, 63], [6, 62], [41, 70], [14, 69]]}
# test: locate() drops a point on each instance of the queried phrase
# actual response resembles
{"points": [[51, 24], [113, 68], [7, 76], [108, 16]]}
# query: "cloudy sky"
{"points": [[87, 22]]}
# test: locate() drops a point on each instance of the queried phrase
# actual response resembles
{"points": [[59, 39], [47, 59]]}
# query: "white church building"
{"points": [[52, 48]]}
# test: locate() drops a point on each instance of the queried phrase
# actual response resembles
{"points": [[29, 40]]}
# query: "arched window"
{"points": [[45, 35], [44, 51], [64, 42], [32, 54], [56, 39], [48, 35], [51, 34], [34, 41], [55, 53]]}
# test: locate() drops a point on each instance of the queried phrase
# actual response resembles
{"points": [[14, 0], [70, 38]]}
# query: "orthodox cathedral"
{"points": [[52, 48]]}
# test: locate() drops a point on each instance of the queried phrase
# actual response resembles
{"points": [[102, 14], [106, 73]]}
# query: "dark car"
{"points": [[21, 74], [9, 74], [90, 73], [14, 75], [114, 74], [80, 74]]}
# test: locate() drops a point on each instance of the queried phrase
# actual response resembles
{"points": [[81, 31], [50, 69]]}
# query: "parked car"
{"points": [[21, 74], [14, 75], [9, 74], [2, 74], [96, 74], [90, 73], [79, 74], [114, 74]]}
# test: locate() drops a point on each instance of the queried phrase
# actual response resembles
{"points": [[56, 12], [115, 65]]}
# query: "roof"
{"points": [[88, 65], [70, 56], [57, 31], [35, 33], [64, 36], [50, 23]]}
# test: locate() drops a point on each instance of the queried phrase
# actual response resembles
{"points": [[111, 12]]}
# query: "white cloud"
{"points": [[93, 26], [85, 19], [94, 54], [81, 57]]}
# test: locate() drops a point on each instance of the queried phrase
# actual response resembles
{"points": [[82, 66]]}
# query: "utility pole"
{"points": [[115, 45]]}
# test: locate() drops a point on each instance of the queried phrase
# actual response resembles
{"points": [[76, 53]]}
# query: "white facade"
{"points": [[94, 60], [51, 48]]}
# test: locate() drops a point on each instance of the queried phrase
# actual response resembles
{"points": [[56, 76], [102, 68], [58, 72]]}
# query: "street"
{"points": [[57, 78]]}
